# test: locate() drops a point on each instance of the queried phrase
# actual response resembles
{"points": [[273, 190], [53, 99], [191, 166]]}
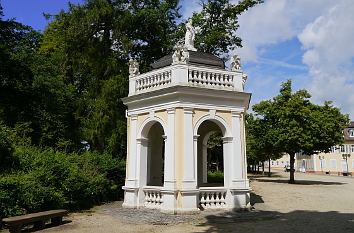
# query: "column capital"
{"points": [[227, 139], [188, 110], [142, 140], [171, 110], [236, 113], [133, 117], [195, 137]]}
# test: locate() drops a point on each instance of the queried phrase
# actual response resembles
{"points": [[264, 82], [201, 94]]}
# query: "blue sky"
{"points": [[30, 12], [310, 42]]}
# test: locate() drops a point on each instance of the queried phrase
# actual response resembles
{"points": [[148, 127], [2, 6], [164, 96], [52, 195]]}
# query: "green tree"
{"points": [[260, 141], [17, 45], [297, 125], [94, 42], [217, 24]]}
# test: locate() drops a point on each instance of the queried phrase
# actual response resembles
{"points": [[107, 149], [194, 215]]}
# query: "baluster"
{"points": [[190, 76], [207, 201], [222, 199], [202, 199], [218, 198], [157, 199], [213, 198], [218, 83], [202, 78], [163, 81], [169, 76]]}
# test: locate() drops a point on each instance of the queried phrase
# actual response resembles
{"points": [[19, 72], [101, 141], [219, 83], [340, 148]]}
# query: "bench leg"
{"points": [[57, 220], [39, 225], [15, 228]]}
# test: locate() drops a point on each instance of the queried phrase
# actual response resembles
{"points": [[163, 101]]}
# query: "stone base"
{"points": [[238, 199], [130, 197]]}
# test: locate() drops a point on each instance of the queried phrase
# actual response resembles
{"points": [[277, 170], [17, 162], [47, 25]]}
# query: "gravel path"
{"points": [[315, 204]]}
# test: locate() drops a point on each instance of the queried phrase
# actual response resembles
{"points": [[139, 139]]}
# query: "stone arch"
{"points": [[146, 125], [225, 129]]}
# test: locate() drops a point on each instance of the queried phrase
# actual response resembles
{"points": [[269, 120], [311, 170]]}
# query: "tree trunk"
{"points": [[292, 170], [269, 168], [263, 168]]}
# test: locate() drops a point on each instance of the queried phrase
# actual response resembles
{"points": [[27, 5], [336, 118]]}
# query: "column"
{"points": [[131, 186], [169, 186], [189, 181], [238, 192], [195, 152], [142, 145], [189, 191], [236, 160]]}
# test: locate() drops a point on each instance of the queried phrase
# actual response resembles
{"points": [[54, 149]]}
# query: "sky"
{"points": [[310, 42]]}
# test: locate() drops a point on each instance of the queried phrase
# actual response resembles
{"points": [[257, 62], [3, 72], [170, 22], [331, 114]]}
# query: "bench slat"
{"points": [[35, 216]]}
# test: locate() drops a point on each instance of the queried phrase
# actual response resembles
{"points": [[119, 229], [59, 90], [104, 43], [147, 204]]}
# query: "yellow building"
{"points": [[340, 161]]}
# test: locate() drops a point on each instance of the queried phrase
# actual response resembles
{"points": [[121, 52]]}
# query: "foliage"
{"points": [[6, 147], [218, 23], [93, 43], [297, 125], [61, 91], [47, 179], [215, 176], [260, 141]]}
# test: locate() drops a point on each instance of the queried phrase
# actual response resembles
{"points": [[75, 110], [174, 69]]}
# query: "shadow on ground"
{"points": [[276, 222], [300, 182], [255, 199], [30, 227]]}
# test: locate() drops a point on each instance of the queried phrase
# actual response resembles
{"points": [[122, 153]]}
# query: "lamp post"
{"points": [[321, 157], [346, 156]]}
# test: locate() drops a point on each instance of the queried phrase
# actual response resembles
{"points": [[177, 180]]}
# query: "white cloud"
{"points": [[275, 21], [325, 30], [329, 53]]}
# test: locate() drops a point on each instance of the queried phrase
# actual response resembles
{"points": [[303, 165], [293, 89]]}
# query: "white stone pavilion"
{"points": [[172, 111]]}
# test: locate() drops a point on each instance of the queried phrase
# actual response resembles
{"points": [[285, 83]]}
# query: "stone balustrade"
{"points": [[186, 75], [212, 198], [153, 197]]}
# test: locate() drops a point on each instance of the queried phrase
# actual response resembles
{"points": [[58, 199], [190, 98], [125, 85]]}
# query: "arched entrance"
{"points": [[155, 155], [152, 154], [210, 158]]}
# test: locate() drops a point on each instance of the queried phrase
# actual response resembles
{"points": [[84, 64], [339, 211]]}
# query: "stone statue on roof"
{"points": [[180, 55], [133, 68], [235, 63], [190, 36]]}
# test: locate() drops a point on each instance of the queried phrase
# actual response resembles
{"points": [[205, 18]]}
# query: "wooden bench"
{"points": [[16, 223]]}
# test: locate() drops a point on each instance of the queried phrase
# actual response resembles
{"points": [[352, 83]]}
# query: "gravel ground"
{"points": [[315, 204]]}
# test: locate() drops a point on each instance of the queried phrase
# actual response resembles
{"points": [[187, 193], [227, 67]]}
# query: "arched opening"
{"points": [[155, 155], [210, 166]]}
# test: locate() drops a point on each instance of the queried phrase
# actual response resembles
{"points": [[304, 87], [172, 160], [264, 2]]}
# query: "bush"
{"points": [[6, 147], [47, 179], [215, 177]]}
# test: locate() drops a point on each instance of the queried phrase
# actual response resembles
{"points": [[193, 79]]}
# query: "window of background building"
{"points": [[352, 148], [323, 163], [353, 163], [333, 163], [342, 148], [351, 133]]}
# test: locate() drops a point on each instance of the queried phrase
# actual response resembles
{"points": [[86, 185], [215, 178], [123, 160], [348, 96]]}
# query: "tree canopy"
{"points": [[294, 124]]}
